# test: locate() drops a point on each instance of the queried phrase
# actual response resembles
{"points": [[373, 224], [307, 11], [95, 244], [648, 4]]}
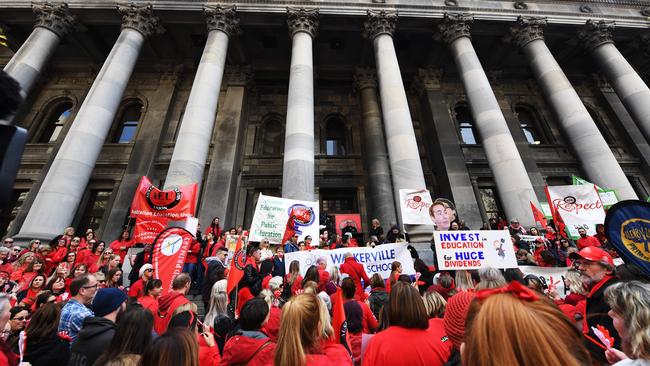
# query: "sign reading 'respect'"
{"points": [[474, 249]]}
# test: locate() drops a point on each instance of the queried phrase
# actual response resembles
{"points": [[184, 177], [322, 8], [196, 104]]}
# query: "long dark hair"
{"points": [[311, 275], [44, 323], [177, 346], [132, 336], [111, 273]]}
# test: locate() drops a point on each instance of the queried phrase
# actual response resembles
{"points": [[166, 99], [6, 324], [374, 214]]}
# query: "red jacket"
{"points": [[241, 350], [193, 253], [117, 244], [588, 241], [357, 273], [272, 326], [401, 346], [150, 303], [166, 306], [208, 356], [368, 321]]}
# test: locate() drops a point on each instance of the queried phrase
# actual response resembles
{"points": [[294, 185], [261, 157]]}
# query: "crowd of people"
{"points": [[66, 303]]}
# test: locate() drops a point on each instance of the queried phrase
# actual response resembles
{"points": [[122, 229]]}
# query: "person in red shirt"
{"points": [[192, 259], [407, 341], [152, 291], [250, 346], [323, 275], [121, 246], [146, 274], [214, 228], [368, 321], [586, 240], [357, 273], [169, 302]]}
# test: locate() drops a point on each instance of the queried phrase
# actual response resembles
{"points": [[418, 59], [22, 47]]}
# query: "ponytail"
{"points": [[299, 331]]}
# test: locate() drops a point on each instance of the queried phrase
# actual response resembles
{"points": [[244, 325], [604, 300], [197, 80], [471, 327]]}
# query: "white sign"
{"points": [[553, 276], [473, 249], [579, 206], [271, 216], [414, 206], [374, 260]]}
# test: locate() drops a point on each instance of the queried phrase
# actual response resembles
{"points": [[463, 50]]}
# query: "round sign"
{"points": [[171, 244]]}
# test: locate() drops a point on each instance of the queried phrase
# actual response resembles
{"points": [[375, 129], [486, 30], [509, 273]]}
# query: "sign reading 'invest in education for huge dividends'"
{"points": [[474, 249]]}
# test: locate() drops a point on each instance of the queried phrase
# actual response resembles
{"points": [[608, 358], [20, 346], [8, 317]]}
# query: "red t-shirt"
{"points": [[588, 241], [137, 289], [150, 303], [409, 347], [116, 245]]}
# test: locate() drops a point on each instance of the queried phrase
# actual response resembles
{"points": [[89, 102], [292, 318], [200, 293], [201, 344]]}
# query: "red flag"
{"points": [[290, 229], [557, 220], [236, 271], [169, 253], [538, 215], [339, 323], [147, 228], [176, 203]]}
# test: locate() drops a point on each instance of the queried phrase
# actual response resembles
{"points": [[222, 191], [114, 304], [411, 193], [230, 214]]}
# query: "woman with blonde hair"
{"points": [[490, 278], [463, 280], [499, 319], [630, 310], [217, 317], [294, 279], [573, 281], [301, 339], [435, 305]]}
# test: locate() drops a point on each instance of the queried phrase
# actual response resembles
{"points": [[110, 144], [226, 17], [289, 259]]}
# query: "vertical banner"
{"points": [[275, 216], [579, 206], [474, 249], [414, 206], [169, 252], [341, 221]]}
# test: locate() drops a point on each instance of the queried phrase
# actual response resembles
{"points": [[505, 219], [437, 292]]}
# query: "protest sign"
{"points": [[175, 204], [169, 253], [607, 196], [374, 260], [272, 214], [341, 221], [553, 276], [627, 227], [578, 206], [473, 249], [414, 206]]}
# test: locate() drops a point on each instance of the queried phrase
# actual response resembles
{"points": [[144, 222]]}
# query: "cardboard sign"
{"points": [[579, 206], [374, 260], [272, 214], [473, 249], [414, 206]]}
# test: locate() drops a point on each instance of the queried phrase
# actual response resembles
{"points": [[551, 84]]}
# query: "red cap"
{"points": [[594, 254]]}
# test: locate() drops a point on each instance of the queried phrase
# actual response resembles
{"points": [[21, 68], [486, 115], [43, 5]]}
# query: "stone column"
{"points": [[221, 183], [380, 187], [298, 167], [633, 92], [53, 23], [508, 170], [56, 203], [589, 145], [403, 153], [193, 142]]}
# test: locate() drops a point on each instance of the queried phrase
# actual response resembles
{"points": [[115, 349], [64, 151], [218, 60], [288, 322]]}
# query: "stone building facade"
{"points": [[482, 102]]}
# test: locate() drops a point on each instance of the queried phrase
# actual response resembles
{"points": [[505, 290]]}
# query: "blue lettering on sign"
{"points": [[464, 256], [336, 258], [459, 236]]}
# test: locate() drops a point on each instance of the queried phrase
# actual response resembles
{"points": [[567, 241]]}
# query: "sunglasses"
{"points": [[148, 270], [20, 319]]}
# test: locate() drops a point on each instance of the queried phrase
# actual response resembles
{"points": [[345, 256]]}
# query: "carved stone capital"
{"points": [[527, 30], [365, 78], [454, 26], [222, 18], [596, 33], [140, 18], [55, 17], [379, 22], [426, 79], [600, 81], [239, 75], [302, 20]]}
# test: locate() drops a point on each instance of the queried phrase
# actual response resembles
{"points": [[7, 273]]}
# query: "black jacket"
{"points": [[53, 351], [252, 279], [216, 272], [597, 309], [138, 262], [93, 339]]}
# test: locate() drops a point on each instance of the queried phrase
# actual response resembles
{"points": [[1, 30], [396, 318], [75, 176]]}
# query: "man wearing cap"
{"points": [[596, 268], [586, 240], [137, 289], [82, 289], [97, 332]]}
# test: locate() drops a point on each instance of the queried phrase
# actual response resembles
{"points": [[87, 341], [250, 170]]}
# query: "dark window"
{"points": [[601, 126], [491, 201], [7, 217], [465, 124], [529, 124], [340, 201], [271, 141], [128, 123], [335, 137], [95, 208], [55, 120]]}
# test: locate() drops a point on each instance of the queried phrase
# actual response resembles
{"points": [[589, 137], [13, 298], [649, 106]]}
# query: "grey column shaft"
{"points": [[512, 182], [193, 142], [56, 203], [221, 183], [298, 168], [380, 186], [629, 86], [32, 57], [592, 150]]}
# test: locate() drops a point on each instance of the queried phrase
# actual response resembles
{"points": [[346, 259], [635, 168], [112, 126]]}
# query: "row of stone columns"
{"points": [[65, 182]]}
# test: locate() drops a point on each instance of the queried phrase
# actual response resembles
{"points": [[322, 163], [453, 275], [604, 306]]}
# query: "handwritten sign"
{"points": [[272, 213], [474, 249]]}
